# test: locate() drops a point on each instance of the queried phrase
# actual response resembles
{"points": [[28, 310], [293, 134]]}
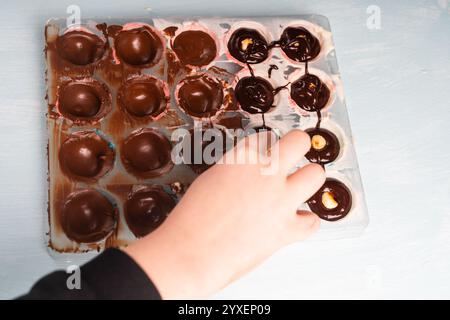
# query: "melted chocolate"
{"points": [[83, 100], [86, 156], [146, 209], [200, 96], [80, 47], [254, 94], [310, 93], [138, 47], [327, 153], [299, 44], [339, 193], [87, 216], [198, 143], [271, 68], [248, 46], [143, 96], [146, 153], [170, 31], [195, 48]]}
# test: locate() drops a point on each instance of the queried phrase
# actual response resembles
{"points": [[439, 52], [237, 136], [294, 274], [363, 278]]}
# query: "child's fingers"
{"points": [[304, 182], [290, 149], [303, 225]]}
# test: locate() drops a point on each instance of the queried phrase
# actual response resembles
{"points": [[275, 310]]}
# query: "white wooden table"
{"points": [[397, 85]]}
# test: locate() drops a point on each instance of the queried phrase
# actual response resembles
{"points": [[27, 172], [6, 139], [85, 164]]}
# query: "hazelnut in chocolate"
{"points": [[332, 202], [325, 146], [248, 46]]}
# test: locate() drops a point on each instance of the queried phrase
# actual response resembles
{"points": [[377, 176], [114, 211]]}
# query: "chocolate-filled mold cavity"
{"points": [[332, 202], [138, 45], [88, 216], [325, 146], [146, 209], [85, 155], [200, 96], [310, 93], [299, 44], [80, 47], [143, 96], [202, 147], [254, 94], [83, 101], [195, 47], [146, 153], [248, 46]]}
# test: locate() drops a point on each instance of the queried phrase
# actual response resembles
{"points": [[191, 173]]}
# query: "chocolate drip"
{"points": [[248, 46], [271, 68]]}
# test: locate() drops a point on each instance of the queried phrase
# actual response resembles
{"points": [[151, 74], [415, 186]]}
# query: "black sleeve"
{"points": [[111, 275]]}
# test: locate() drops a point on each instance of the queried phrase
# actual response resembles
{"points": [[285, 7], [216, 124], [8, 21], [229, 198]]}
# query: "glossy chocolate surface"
{"points": [[341, 195], [254, 94], [80, 47], [146, 209], [83, 100], [200, 96], [195, 48], [86, 156], [299, 44], [143, 96], [248, 46], [310, 93], [327, 153], [146, 153], [87, 216], [139, 46]]}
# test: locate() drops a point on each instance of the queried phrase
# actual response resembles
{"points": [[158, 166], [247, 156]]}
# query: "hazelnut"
{"points": [[318, 142], [245, 43], [328, 200]]}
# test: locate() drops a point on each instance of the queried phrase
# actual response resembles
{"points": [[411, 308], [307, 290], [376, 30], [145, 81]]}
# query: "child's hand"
{"points": [[231, 219]]}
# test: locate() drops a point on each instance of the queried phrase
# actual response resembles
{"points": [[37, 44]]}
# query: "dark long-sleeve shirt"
{"points": [[111, 275]]}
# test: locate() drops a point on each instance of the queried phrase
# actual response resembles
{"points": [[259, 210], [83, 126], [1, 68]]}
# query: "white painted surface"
{"points": [[397, 85]]}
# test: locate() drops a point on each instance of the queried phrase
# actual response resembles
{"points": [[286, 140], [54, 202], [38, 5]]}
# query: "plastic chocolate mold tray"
{"points": [[116, 90]]}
